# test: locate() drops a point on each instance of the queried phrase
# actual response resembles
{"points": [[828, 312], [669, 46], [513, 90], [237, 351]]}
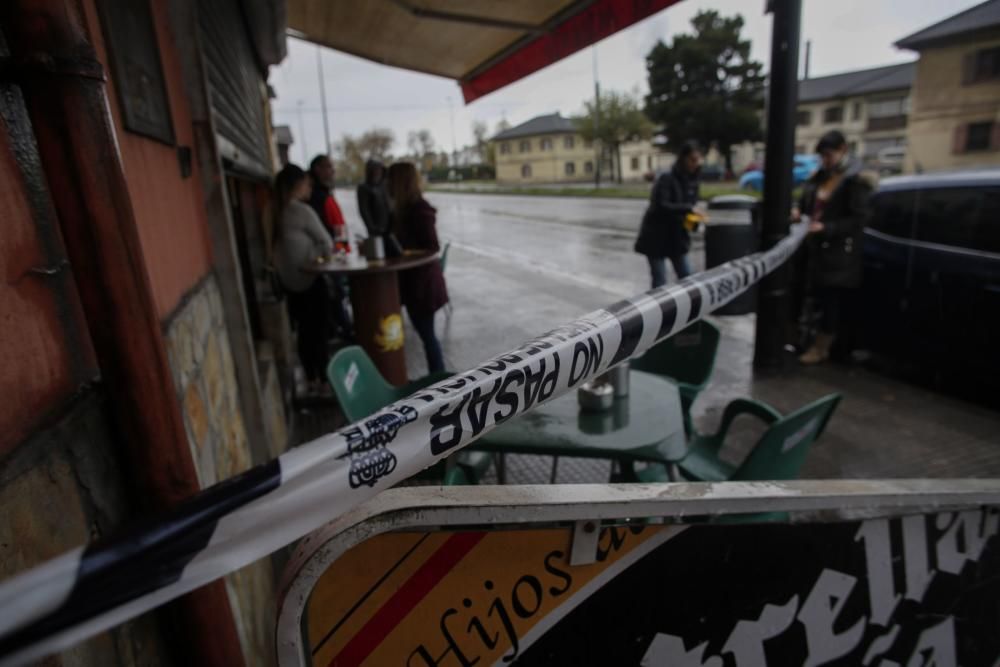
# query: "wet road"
{"points": [[579, 240]]}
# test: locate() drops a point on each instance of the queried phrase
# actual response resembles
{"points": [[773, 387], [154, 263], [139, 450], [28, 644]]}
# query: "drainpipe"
{"points": [[66, 94], [773, 296]]}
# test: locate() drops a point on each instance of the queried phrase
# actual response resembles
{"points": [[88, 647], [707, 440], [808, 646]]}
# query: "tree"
{"points": [[479, 132], [620, 119], [376, 143], [705, 87], [351, 153], [421, 145]]}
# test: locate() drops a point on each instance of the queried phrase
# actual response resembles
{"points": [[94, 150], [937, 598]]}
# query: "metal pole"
{"points": [[322, 100], [454, 146], [774, 298], [302, 134], [597, 122]]}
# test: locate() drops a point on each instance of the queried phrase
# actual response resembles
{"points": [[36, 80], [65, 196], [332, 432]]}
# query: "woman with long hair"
{"points": [[422, 289], [300, 240]]}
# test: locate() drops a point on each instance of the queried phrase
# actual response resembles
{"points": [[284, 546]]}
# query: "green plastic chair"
{"points": [[688, 358], [778, 455], [362, 391]]}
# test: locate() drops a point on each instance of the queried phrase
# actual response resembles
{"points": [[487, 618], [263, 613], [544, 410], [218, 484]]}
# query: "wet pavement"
{"points": [[519, 266]]}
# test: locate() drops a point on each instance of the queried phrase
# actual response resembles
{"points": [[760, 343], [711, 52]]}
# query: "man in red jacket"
{"points": [[322, 201]]}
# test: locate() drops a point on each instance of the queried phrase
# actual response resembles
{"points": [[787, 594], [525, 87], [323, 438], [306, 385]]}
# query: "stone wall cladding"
{"points": [[205, 382]]}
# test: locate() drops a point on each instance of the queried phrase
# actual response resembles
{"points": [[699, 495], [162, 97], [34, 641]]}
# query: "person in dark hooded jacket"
{"points": [[373, 200], [663, 235], [836, 200]]}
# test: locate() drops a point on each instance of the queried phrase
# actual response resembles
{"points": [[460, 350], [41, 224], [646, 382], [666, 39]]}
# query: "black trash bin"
{"points": [[732, 232]]}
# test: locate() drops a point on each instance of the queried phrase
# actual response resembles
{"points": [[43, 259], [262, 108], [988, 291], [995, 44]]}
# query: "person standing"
{"points": [[322, 201], [663, 235], [300, 241], [422, 288], [321, 198], [836, 199], [373, 200]]}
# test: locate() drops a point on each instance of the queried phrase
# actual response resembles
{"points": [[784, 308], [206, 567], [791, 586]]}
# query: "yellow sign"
{"points": [[471, 597], [390, 333]]}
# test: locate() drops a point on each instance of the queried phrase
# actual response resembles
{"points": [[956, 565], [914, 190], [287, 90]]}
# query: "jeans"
{"points": [[424, 324], [658, 268]]}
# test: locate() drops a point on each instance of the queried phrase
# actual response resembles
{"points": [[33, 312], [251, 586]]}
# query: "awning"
{"points": [[483, 44]]}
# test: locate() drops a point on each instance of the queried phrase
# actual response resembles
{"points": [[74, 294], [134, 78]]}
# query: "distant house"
{"points": [[869, 106], [548, 149], [955, 120]]}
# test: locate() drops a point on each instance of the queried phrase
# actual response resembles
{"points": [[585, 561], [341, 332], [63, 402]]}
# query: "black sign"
{"points": [[916, 591], [132, 48]]}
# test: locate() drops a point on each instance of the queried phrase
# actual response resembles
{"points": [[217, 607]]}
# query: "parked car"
{"points": [[803, 166], [713, 172], [889, 161], [931, 296]]}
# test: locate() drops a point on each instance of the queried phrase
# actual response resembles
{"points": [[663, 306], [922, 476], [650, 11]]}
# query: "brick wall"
{"points": [[205, 382]]}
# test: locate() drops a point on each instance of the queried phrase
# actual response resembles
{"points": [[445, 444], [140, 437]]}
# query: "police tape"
{"points": [[229, 525]]}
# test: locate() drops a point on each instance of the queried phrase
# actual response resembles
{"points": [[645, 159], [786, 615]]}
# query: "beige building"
{"points": [[869, 106], [548, 149], [955, 120]]}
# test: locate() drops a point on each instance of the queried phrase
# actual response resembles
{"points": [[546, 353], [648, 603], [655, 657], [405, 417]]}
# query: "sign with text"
{"points": [[910, 591]]}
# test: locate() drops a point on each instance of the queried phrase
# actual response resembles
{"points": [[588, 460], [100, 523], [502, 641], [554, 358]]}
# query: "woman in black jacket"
{"points": [[662, 235], [836, 199]]}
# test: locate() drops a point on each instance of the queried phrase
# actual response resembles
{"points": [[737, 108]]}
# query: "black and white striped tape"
{"points": [[245, 518]]}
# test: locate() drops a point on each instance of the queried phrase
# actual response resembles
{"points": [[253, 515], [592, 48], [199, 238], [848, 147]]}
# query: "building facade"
{"points": [[548, 149], [955, 120], [141, 358], [869, 106]]}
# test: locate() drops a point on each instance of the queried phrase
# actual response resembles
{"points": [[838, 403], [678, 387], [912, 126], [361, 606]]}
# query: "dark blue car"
{"points": [[931, 296]]}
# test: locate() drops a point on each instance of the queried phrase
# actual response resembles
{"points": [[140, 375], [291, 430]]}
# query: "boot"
{"points": [[820, 350]]}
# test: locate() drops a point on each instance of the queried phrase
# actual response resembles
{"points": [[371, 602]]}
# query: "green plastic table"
{"points": [[645, 426]]}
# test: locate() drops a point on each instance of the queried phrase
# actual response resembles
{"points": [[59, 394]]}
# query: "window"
{"points": [[889, 108], [568, 142], [505, 148], [588, 167], [570, 169], [856, 111], [546, 145], [965, 217], [803, 117], [649, 162], [524, 146], [525, 171], [833, 115], [635, 164], [893, 213], [978, 136], [852, 147], [800, 149], [588, 143], [982, 65], [872, 147]]}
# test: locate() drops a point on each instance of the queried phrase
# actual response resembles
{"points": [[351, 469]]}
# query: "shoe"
{"points": [[819, 352]]}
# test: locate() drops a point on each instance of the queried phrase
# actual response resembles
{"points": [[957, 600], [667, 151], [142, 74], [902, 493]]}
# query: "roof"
{"points": [[484, 44], [985, 176], [975, 19], [551, 123], [860, 82]]}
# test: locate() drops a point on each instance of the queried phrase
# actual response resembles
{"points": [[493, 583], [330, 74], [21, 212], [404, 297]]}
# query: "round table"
{"points": [[378, 318]]}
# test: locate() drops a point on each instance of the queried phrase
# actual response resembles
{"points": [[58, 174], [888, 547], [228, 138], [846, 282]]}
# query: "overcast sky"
{"points": [[845, 35]]}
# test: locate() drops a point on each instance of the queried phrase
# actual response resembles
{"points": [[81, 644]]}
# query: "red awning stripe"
{"points": [[406, 598], [599, 20]]}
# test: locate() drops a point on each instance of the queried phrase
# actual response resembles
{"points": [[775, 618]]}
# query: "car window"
{"points": [[962, 217], [892, 213]]}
